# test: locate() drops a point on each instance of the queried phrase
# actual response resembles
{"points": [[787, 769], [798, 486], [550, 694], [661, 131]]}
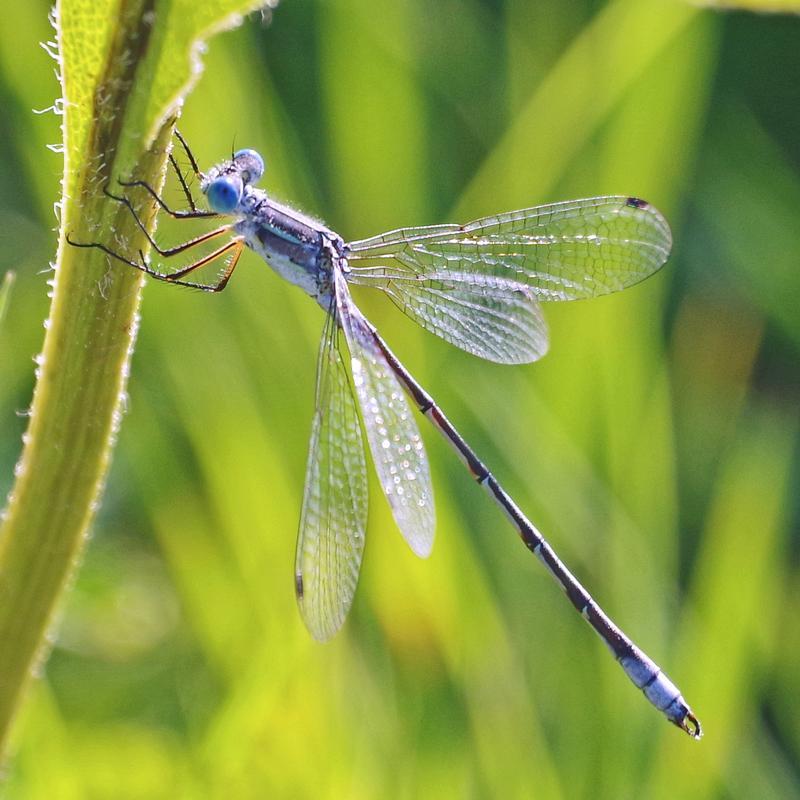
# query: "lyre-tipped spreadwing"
{"points": [[477, 286]]}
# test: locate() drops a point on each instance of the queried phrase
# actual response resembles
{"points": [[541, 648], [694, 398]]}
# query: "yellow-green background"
{"points": [[656, 445]]}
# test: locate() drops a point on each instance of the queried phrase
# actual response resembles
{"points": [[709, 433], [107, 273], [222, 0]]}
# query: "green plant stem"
{"points": [[81, 376]]}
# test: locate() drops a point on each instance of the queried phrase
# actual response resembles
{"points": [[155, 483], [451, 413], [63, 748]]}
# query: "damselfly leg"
{"points": [[194, 212], [170, 251], [232, 249], [181, 179]]}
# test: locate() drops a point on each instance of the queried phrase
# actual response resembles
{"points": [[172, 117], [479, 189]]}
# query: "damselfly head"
{"points": [[224, 184]]}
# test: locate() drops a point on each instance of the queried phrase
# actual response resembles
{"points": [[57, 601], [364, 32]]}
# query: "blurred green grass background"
{"points": [[656, 445]]}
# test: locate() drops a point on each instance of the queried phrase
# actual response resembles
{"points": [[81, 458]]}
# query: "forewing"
{"points": [[334, 516], [392, 433], [563, 251]]}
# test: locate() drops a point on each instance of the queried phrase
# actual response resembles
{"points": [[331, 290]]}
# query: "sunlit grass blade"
{"points": [[5, 292], [567, 108], [737, 589], [760, 6]]}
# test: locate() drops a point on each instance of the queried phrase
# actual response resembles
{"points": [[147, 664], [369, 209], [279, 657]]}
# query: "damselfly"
{"points": [[477, 286]]}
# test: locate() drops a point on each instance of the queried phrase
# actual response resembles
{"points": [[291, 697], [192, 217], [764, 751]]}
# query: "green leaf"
{"points": [[125, 69], [764, 6], [567, 108]]}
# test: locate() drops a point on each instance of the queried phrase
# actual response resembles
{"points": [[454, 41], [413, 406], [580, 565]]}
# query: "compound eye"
{"points": [[224, 194], [250, 164]]}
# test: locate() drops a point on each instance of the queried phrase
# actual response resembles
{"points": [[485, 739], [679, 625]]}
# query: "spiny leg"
{"points": [[186, 193], [194, 214], [234, 260], [171, 251], [189, 155], [181, 248], [236, 245], [192, 161]]}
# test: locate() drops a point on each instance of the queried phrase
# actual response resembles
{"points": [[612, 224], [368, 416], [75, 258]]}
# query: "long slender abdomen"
{"points": [[641, 669]]}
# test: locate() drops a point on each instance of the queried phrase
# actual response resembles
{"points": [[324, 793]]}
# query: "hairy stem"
{"points": [[82, 370]]}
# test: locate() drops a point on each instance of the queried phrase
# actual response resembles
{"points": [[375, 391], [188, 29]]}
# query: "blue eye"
{"points": [[251, 164], [224, 195]]}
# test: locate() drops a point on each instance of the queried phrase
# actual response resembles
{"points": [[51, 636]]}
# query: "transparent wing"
{"points": [[496, 319], [334, 516], [477, 285], [392, 433], [563, 251]]}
